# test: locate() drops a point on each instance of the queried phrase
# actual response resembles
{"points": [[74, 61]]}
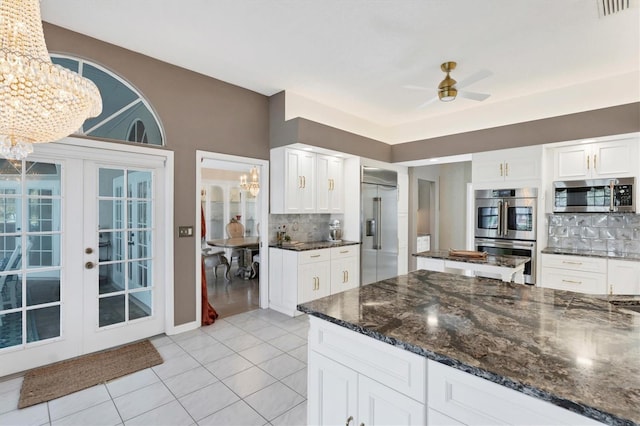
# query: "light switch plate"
{"points": [[185, 231]]}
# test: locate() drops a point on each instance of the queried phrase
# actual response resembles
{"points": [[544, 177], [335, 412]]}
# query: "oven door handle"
{"points": [[495, 243], [505, 219], [500, 213]]}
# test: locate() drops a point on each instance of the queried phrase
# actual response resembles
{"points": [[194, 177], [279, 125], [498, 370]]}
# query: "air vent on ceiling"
{"points": [[609, 7]]}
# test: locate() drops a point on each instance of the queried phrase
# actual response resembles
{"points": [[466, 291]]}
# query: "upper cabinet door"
{"points": [[329, 184], [307, 172], [615, 158], [596, 160]]}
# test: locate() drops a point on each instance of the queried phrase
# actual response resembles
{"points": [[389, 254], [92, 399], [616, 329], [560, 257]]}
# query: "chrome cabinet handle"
{"points": [[506, 169], [500, 169], [300, 182], [568, 262], [347, 276], [572, 282], [588, 162], [304, 181], [595, 165], [315, 255]]}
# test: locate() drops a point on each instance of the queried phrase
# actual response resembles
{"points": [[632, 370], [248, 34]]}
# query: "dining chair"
{"points": [[235, 229]]}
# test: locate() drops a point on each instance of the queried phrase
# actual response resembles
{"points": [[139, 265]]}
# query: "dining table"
{"points": [[246, 246]]}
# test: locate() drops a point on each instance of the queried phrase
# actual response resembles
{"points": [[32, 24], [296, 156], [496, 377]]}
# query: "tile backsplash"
{"points": [[302, 227], [613, 232]]}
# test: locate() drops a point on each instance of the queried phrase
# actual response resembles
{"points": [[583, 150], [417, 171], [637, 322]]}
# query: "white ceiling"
{"points": [[548, 57]]}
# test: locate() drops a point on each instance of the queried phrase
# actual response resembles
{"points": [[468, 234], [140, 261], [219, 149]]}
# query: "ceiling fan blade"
{"points": [[473, 78], [473, 95], [411, 87], [429, 102]]}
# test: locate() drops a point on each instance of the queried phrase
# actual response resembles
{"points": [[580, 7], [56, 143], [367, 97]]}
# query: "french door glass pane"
{"points": [[43, 323], [30, 241], [43, 287], [125, 256]]}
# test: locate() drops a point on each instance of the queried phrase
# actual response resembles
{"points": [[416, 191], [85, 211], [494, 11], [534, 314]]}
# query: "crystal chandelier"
{"points": [[39, 101], [252, 186]]}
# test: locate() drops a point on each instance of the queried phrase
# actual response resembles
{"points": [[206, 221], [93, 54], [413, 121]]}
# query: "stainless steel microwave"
{"points": [[594, 196]]}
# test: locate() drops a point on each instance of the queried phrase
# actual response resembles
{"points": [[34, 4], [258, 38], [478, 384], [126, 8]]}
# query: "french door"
{"points": [[81, 258]]}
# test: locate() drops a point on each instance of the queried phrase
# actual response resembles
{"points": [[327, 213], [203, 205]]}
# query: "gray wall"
{"points": [[197, 112]]}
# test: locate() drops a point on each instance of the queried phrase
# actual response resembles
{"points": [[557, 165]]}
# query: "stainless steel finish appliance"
{"points": [[512, 248], [379, 225], [597, 195], [505, 224], [335, 231], [506, 213]]}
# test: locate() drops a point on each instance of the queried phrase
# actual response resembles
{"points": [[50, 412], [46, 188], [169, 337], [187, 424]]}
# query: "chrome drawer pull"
{"points": [[571, 263], [572, 282]]}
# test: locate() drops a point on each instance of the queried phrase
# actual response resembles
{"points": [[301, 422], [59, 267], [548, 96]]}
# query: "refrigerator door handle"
{"points": [[505, 218]]}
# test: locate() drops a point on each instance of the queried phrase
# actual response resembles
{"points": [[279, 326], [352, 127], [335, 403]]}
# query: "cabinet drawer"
{"points": [[398, 369], [344, 251], [311, 256], [578, 281], [575, 263], [471, 400]]}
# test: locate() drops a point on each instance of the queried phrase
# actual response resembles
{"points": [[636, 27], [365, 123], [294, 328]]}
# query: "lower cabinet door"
{"points": [[380, 405], [333, 389]]}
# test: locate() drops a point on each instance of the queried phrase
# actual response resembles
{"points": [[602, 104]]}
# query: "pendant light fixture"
{"points": [[39, 102], [253, 186]]}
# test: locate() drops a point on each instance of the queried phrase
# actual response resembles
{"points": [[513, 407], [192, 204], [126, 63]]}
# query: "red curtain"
{"points": [[209, 314]]}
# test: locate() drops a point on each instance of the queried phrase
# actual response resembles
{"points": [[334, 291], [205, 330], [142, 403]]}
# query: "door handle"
{"points": [[88, 250], [89, 265], [349, 420]]}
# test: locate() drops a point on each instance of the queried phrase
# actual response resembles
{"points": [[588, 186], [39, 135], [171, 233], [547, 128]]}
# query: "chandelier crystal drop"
{"points": [[39, 102], [253, 186]]}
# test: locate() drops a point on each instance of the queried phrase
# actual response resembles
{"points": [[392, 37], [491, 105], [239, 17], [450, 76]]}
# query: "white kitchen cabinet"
{"points": [[345, 268], [507, 167], [623, 277], [366, 383], [618, 158], [355, 379], [335, 390], [293, 172], [313, 278], [456, 397], [329, 189], [298, 277], [574, 273], [306, 182]]}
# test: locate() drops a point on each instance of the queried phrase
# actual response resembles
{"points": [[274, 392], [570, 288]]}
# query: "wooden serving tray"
{"points": [[468, 253]]}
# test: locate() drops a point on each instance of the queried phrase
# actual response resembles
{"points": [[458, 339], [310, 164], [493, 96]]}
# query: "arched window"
{"points": [[126, 114], [137, 132]]}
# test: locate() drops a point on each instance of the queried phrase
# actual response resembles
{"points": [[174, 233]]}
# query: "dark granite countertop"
{"points": [[574, 350], [593, 253], [314, 245], [493, 260]]}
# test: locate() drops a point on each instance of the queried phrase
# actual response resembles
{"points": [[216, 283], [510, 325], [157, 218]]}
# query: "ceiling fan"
{"points": [[448, 88]]}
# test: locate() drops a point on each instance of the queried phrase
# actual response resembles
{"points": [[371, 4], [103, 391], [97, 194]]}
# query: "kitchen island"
{"points": [[509, 268], [434, 348]]}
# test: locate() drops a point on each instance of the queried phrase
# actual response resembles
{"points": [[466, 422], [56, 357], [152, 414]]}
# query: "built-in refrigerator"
{"points": [[379, 225]]}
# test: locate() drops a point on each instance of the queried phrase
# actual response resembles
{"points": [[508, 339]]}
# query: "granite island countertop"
{"points": [[576, 351], [314, 245], [592, 253], [490, 259]]}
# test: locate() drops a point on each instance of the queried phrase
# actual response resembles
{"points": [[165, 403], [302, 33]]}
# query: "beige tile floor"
{"points": [[246, 369]]}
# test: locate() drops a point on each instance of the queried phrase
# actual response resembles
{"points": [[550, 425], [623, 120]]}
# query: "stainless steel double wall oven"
{"points": [[505, 224]]}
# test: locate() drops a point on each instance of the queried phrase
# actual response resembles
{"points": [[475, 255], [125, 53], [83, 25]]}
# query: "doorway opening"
{"points": [[233, 220]]}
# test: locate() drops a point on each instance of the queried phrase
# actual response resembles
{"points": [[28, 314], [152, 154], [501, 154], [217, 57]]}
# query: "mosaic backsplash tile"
{"points": [[618, 233], [305, 228]]}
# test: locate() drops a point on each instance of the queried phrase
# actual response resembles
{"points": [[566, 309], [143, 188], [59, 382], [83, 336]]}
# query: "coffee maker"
{"points": [[335, 231]]}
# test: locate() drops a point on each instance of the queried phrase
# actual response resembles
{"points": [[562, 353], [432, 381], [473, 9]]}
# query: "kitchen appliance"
{"points": [[379, 224], [511, 248], [593, 196], [505, 224], [506, 213], [335, 231]]}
